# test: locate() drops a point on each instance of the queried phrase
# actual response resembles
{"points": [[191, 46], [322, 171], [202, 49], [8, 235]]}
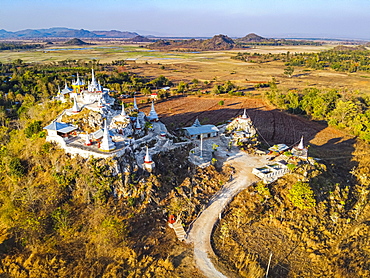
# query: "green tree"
{"points": [[288, 71], [32, 128], [343, 113], [16, 167]]}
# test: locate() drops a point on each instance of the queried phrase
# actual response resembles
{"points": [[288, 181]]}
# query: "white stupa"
{"points": [[299, 150], [93, 86], [148, 163], [137, 124], [300, 145], [244, 116], [75, 108], [123, 112], [107, 144], [152, 114], [78, 81], [135, 105]]}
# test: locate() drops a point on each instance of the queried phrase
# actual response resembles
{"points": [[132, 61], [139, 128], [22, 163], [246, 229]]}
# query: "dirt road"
{"points": [[200, 233]]}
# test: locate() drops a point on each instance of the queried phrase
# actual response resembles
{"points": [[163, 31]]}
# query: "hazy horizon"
{"points": [[341, 19]]}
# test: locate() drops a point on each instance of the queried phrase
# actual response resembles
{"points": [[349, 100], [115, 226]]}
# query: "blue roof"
{"points": [[203, 129], [60, 127]]}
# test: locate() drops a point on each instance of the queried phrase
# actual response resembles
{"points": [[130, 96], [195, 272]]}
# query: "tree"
{"points": [[33, 128], [288, 71], [16, 168], [344, 112]]}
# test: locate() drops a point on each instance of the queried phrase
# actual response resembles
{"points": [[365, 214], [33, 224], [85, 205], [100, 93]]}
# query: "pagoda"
{"points": [[66, 90], [148, 162], [299, 150], [152, 114], [244, 116], [78, 85], [135, 105], [94, 86], [106, 144], [137, 124], [75, 108], [123, 112], [196, 123]]}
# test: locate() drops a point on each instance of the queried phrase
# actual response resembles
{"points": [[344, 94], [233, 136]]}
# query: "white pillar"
{"points": [[201, 145]]}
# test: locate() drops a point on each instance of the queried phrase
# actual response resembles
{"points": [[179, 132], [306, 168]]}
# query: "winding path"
{"points": [[201, 230]]}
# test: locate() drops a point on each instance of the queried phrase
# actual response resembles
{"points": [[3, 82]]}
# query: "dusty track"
{"points": [[201, 230]]}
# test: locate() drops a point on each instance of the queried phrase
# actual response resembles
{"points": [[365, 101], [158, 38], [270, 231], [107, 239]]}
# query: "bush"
{"points": [[33, 128], [301, 195], [16, 168]]}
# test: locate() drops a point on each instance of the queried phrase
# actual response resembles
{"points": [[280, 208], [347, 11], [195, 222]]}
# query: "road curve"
{"points": [[201, 230]]}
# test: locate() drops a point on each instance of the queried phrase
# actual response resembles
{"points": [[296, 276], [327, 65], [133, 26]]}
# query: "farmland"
{"points": [[205, 66]]}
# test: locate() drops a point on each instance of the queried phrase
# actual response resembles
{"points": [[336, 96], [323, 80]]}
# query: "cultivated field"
{"points": [[205, 66]]}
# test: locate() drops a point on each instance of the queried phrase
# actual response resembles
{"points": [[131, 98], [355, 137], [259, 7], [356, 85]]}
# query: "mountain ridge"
{"points": [[63, 32]]}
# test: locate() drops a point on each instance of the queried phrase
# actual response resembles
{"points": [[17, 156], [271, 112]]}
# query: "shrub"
{"points": [[16, 168], [301, 195]]}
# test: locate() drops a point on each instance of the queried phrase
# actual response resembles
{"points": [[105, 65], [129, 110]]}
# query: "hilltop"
{"points": [[254, 39], [218, 42], [139, 38]]}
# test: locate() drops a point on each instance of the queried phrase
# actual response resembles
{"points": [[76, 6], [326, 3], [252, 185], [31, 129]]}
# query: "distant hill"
{"points": [[115, 34], [219, 42], [140, 39], [254, 39], [61, 32], [76, 41], [6, 34]]}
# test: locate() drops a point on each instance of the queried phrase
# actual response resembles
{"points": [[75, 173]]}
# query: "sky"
{"points": [[344, 19]]}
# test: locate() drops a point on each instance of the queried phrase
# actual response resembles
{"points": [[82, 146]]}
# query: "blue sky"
{"points": [[236, 18]]}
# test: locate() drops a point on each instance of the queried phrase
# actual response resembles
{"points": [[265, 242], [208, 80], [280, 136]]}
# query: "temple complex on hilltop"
{"points": [[91, 127]]}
